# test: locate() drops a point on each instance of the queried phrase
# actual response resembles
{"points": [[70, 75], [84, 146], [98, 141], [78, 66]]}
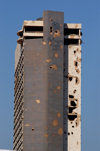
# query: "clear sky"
{"points": [[87, 12]]}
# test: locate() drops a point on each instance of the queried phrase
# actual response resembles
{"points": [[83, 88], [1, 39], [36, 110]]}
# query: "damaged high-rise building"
{"points": [[47, 105]]}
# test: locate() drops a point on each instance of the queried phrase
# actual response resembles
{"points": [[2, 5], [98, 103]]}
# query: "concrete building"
{"points": [[47, 105]]}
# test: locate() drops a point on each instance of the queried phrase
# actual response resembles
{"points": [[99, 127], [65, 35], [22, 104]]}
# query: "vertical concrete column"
{"points": [[53, 43], [74, 97], [72, 87]]}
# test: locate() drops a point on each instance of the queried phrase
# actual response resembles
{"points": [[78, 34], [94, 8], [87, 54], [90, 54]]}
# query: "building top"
{"points": [[34, 29]]}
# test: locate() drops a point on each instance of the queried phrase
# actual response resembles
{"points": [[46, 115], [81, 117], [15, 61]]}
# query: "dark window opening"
{"points": [[34, 28], [71, 41], [29, 37], [71, 31]]}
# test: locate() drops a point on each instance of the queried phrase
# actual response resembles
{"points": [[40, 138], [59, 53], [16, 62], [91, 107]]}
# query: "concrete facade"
{"points": [[47, 105]]}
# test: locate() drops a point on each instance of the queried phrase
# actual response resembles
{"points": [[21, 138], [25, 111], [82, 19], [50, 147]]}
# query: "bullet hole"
{"points": [[76, 63], [72, 133], [71, 96], [32, 129], [73, 126], [76, 123], [68, 133], [54, 67], [74, 91], [70, 78], [72, 117], [77, 70], [77, 80], [74, 51], [56, 33], [51, 29], [71, 122]]}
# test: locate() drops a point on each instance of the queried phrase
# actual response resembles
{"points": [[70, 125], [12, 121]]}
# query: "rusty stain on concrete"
{"points": [[48, 60], [61, 46], [44, 43], [50, 43], [58, 87], [46, 135], [38, 101], [56, 55], [55, 123], [60, 131], [58, 115], [27, 125]]}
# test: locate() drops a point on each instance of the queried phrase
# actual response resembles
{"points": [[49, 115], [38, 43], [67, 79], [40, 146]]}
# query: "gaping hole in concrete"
{"points": [[76, 63], [77, 70], [70, 78], [70, 109], [72, 117], [74, 91], [71, 96], [73, 103], [77, 80]]}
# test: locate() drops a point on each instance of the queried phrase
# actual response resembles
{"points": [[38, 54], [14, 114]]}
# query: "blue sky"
{"points": [[87, 12]]}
